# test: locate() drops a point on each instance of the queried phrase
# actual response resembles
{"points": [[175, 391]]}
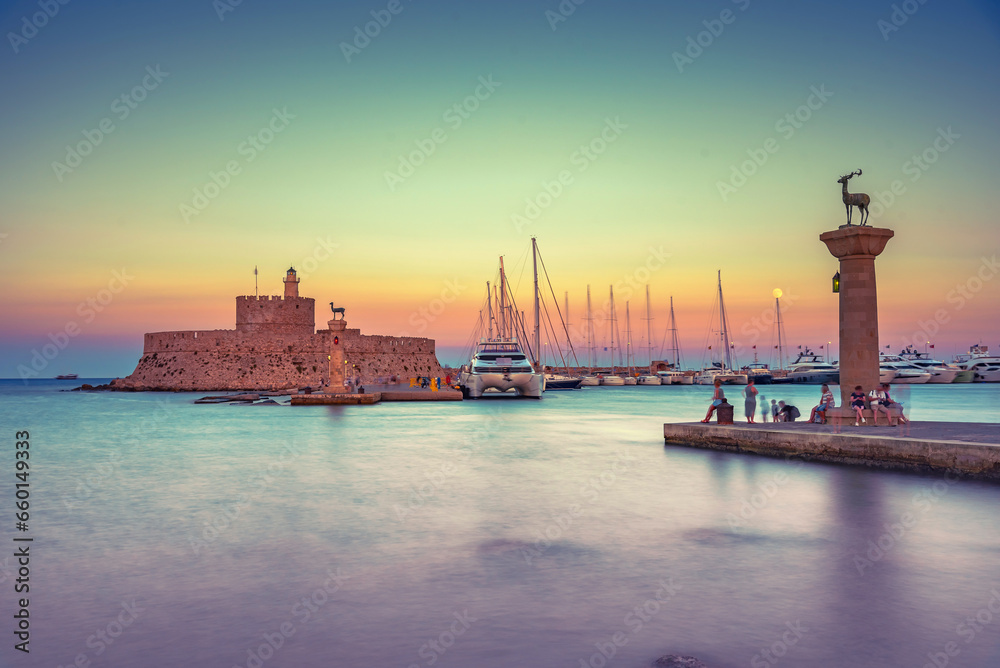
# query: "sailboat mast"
{"points": [[612, 292], [628, 338], [590, 335], [725, 325], [538, 334], [503, 302], [777, 309], [489, 305], [673, 339], [649, 330]]}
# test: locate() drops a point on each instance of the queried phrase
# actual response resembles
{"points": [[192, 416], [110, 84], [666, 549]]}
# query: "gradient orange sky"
{"points": [[662, 140]]}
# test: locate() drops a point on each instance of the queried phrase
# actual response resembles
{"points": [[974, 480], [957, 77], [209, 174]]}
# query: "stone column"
{"points": [[337, 328], [857, 247]]}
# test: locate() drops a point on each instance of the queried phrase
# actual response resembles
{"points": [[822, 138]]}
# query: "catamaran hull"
{"points": [[524, 384]]}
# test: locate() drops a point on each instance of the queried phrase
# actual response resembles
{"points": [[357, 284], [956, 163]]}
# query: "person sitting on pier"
{"points": [[825, 404], [893, 404], [879, 401], [718, 399], [858, 404], [787, 412]]}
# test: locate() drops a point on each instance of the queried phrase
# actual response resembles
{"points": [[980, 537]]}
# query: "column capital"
{"points": [[856, 240]]}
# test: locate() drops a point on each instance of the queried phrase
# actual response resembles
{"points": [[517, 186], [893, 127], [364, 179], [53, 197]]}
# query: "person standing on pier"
{"points": [[750, 401], [717, 400]]}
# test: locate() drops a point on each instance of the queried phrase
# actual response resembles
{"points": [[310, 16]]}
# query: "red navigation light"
{"points": [[336, 340]]}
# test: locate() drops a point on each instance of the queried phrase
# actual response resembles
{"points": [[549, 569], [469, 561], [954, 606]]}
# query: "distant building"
{"points": [[275, 346]]}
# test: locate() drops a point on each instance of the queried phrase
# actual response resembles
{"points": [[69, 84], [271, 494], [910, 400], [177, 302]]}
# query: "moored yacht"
{"points": [[984, 366], [941, 372], [903, 371], [810, 368], [649, 380], [501, 365]]}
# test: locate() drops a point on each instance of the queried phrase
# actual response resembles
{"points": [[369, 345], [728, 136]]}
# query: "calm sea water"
{"points": [[482, 534]]}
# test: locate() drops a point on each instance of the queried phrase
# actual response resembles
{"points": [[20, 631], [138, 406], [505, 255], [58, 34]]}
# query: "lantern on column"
{"points": [[836, 282]]}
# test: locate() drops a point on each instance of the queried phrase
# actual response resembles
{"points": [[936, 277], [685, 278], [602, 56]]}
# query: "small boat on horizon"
{"points": [[67, 376]]}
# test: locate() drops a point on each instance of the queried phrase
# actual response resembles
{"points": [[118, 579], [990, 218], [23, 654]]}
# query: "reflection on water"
{"points": [[491, 533]]}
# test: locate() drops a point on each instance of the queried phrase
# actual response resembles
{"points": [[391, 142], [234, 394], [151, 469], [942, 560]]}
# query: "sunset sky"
{"points": [[181, 144]]}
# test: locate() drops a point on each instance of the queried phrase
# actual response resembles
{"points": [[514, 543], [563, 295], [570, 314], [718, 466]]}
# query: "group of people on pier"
{"points": [[879, 400]]}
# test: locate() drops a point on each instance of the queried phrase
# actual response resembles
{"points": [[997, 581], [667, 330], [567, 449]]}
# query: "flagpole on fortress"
{"points": [[256, 293]]}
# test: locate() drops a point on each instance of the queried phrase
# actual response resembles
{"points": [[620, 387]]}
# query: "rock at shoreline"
{"points": [[675, 661]]}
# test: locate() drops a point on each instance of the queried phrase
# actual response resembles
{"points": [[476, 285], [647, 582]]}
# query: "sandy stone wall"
{"points": [[239, 360]]}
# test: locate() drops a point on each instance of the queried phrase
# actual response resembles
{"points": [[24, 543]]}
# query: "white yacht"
{"points": [[809, 367], [903, 371], [941, 372], [590, 381], [708, 376], [984, 366], [649, 380], [501, 365], [612, 380], [675, 377]]}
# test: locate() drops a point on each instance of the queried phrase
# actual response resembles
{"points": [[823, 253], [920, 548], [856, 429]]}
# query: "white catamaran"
{"points": [[500, 363]]}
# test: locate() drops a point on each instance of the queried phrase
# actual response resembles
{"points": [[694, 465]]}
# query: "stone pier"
{"points": [[856, 247]]}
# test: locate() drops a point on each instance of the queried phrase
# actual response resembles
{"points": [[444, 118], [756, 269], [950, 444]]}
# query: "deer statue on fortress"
{"points": [[338, 310], [859, 200]]}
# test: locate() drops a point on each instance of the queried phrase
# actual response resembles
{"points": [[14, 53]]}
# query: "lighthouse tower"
{"points": [[291, 284]]}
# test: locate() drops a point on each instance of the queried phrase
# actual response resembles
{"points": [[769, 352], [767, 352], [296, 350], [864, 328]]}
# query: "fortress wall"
{"points": [[273, 314], [214, 360]]}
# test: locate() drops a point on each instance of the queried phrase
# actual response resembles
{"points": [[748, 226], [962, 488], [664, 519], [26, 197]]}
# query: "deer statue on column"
{"points": [[859, 200]]}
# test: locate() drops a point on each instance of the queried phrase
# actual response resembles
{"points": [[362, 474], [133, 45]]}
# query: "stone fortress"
{"points": [[276, 346]]}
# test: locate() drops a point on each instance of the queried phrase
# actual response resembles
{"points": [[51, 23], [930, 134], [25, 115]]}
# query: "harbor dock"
{"points": [[971, 449], [375, 394]]}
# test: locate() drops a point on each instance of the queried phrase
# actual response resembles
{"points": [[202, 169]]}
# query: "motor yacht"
{"points": [[903, 371], [984, 366], [941, 372], [810, 368], [501, 365]]}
